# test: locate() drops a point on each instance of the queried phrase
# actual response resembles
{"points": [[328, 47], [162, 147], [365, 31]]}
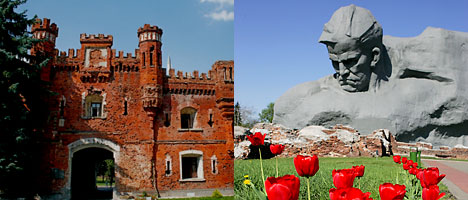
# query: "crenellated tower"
{"points": [[46, 32], [225, 87], [96, 50], [152, 74]]}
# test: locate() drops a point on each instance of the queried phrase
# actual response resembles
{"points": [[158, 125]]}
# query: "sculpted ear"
{"points": [[375, 56]]}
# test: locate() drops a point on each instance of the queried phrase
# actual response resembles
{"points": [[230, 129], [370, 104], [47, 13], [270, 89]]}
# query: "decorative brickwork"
{"points": [[127, 105]]}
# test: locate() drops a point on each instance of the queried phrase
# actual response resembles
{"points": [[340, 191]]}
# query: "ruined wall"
{"points": [[339, 141], [140, 112]]}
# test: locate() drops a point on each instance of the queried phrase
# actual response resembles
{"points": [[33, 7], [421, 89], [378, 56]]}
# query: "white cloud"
{"points": [[222, 2], [223, 15], [223, 11]]}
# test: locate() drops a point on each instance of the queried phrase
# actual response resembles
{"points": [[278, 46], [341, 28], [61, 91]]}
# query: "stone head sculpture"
{"points": [[354, 42]]}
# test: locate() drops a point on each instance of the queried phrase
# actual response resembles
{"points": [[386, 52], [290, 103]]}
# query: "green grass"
{"points": [[100, 182], [208, 198], [377, 171]]}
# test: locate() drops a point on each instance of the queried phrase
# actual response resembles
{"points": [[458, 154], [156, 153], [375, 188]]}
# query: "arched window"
{"points": [[94, 106], [187, 118]]}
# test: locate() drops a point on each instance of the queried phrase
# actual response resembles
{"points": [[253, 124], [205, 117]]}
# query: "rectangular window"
{"points": [[214, 166], [186, 121], [189, 167], [168, 167], [125, 107], [62, 107], [95, 109], [151, 58]]}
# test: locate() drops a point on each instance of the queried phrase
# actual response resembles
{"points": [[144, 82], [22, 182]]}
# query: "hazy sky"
{"points": [[196, 33], [276, 42]]}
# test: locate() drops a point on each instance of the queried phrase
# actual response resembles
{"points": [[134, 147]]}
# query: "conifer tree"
{"points": [[21, 100], [237, 115]]}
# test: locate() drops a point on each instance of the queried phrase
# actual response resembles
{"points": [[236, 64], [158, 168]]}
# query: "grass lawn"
{"points": [[377, 171], [100, 182], [207, 198]]}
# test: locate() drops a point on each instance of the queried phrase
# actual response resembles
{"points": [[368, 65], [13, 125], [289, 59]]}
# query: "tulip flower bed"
{"points": [[377, 172]]}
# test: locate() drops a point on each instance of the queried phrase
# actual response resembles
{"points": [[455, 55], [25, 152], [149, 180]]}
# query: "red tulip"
{"points": [[343, 178], [413, 171], [276, 149], [410, 162], [359, 170], [283, 188], [256, 139], [415, 165], [432, 193], [348, 193], [430, 176], [419, 175], [306, 165], [389, 191], [397, 159], [404, 160], [406, 166]]}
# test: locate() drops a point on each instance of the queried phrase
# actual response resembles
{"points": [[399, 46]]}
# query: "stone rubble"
{"points": [[337, 141]]}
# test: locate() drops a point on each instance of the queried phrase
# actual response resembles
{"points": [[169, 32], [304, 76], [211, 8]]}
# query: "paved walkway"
{"points": [[456, 178]]}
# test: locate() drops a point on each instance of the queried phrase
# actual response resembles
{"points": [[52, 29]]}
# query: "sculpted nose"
{"points": [[343, 70]]}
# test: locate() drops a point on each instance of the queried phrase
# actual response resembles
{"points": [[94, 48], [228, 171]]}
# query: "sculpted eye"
{"points": [[335, 65], [350, 62]]}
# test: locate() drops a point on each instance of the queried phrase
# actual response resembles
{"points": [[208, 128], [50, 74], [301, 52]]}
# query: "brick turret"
{"points": [[46, 32], [151, 66]]}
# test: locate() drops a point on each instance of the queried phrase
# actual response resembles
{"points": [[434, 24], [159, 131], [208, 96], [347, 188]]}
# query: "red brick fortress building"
{"points": [[168, 133]]}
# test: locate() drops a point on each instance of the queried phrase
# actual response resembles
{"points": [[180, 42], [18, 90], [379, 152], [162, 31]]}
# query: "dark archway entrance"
{"points": [[85, 166]]}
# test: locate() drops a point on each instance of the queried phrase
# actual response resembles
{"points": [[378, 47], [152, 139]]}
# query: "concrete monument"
{"points": [[415, 87]]}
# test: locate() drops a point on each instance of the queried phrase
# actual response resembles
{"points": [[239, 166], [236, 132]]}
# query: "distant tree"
{"points": [[244, 116], [237, 115], [267, 114], [110, 170], [21, 102], [248, 117]]}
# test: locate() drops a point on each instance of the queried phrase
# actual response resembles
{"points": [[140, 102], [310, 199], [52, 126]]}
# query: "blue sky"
{"points": [[196, 33], [276, 44]]}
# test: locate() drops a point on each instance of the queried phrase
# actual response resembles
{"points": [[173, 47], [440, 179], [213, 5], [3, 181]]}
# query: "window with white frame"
{"points": [[191, 165], [214, 164], [168, 165], [94, 106]]}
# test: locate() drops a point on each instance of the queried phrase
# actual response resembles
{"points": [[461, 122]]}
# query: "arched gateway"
{"points": [[84, 155]]}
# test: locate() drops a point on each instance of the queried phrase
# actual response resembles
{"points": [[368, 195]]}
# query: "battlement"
{"points": [[44, 25], [221, 69], [69, 54], [100, 38], [149, 28], [190, 76], [148, 32], [120, 54]]}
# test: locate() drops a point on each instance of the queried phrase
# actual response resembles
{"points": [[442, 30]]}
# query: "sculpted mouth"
{"points": [[348, 82]]}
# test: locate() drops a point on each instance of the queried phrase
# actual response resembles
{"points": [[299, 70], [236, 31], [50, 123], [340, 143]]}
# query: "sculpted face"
{"points": [[352, 64]]}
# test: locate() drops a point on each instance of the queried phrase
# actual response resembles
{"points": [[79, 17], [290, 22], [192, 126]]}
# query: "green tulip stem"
{"points": [[261, 167], [359, 182], [308, 188], [276, 166]]}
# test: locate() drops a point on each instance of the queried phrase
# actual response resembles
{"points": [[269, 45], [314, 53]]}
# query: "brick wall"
{"points": [[150, 131]]}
